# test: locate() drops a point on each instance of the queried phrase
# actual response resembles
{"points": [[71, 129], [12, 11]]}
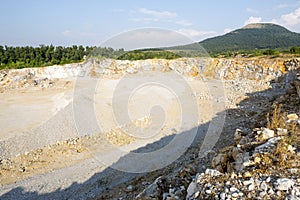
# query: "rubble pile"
{"points": [[9, 81], [263, 163]]}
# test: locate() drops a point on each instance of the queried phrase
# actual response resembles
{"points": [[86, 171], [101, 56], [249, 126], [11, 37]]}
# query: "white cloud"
{"points": [[148, 16], [158, 14], [196, 34], [184, 23], [227, 30], [290, 19], [251, 10], [281, 6], [252, 20], [145, 20], [66, 33]]}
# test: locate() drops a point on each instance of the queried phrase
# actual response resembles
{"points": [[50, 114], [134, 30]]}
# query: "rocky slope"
{"points": [[253, 86], [262, 163]]}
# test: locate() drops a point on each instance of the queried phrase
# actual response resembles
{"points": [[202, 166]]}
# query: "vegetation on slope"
{"points": [[148, 54], [251, 37]]}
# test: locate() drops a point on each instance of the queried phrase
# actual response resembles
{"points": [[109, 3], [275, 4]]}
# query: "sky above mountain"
{"points": [[94, 22]]}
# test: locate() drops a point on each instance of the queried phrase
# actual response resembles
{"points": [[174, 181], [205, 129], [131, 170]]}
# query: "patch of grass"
{"points": [[276, 119]]}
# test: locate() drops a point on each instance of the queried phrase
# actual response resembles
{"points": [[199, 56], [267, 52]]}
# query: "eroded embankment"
{"points": [[234, 68]]}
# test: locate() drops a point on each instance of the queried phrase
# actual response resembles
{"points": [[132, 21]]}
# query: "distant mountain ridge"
{"points": [[251, 36]]}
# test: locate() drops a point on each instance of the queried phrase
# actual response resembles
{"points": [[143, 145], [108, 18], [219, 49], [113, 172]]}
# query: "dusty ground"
{"points": [[25, 108], [25, 113]]}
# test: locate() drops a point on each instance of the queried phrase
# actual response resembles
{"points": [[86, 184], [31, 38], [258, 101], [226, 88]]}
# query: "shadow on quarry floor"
{"points": [[250, 113]]}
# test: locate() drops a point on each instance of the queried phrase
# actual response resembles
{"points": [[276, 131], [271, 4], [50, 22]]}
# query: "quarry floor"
{"points": [[52, 148]]}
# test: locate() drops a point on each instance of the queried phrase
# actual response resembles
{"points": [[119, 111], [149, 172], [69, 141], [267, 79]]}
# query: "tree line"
{"points": [[27, 56], [148, 54], [23, 57]]}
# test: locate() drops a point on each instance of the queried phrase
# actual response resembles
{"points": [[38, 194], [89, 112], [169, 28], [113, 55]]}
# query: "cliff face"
{"points": [[235, 68], [228, 69], [256, 69]]}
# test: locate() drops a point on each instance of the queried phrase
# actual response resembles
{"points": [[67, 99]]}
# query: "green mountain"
{"points": [[252, 36]]}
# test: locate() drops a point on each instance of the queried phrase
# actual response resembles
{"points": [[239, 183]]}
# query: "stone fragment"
{"points": [[247, 174], [292, 117], [264, 186], [129, 188], [267, 147], [191, 190], [220, 160], [212, 172], [235, 152], [291, 149], [271, 191], [233, 189], [151, 190], [262, 194], [281, 131], [251, 187], [235, 195], [223, 196], [284, 184], [238, 135], [245, 183], [208, 191], [266, 134]]}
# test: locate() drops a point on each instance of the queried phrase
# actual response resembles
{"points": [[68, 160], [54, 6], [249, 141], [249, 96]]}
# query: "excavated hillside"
{"points": [[47, 151]]}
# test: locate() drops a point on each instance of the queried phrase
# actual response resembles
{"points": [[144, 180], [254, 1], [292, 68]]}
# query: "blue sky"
{"points": [[91, 22]]}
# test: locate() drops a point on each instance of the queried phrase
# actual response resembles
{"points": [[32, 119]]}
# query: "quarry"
{"points": [[86, 130]]}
